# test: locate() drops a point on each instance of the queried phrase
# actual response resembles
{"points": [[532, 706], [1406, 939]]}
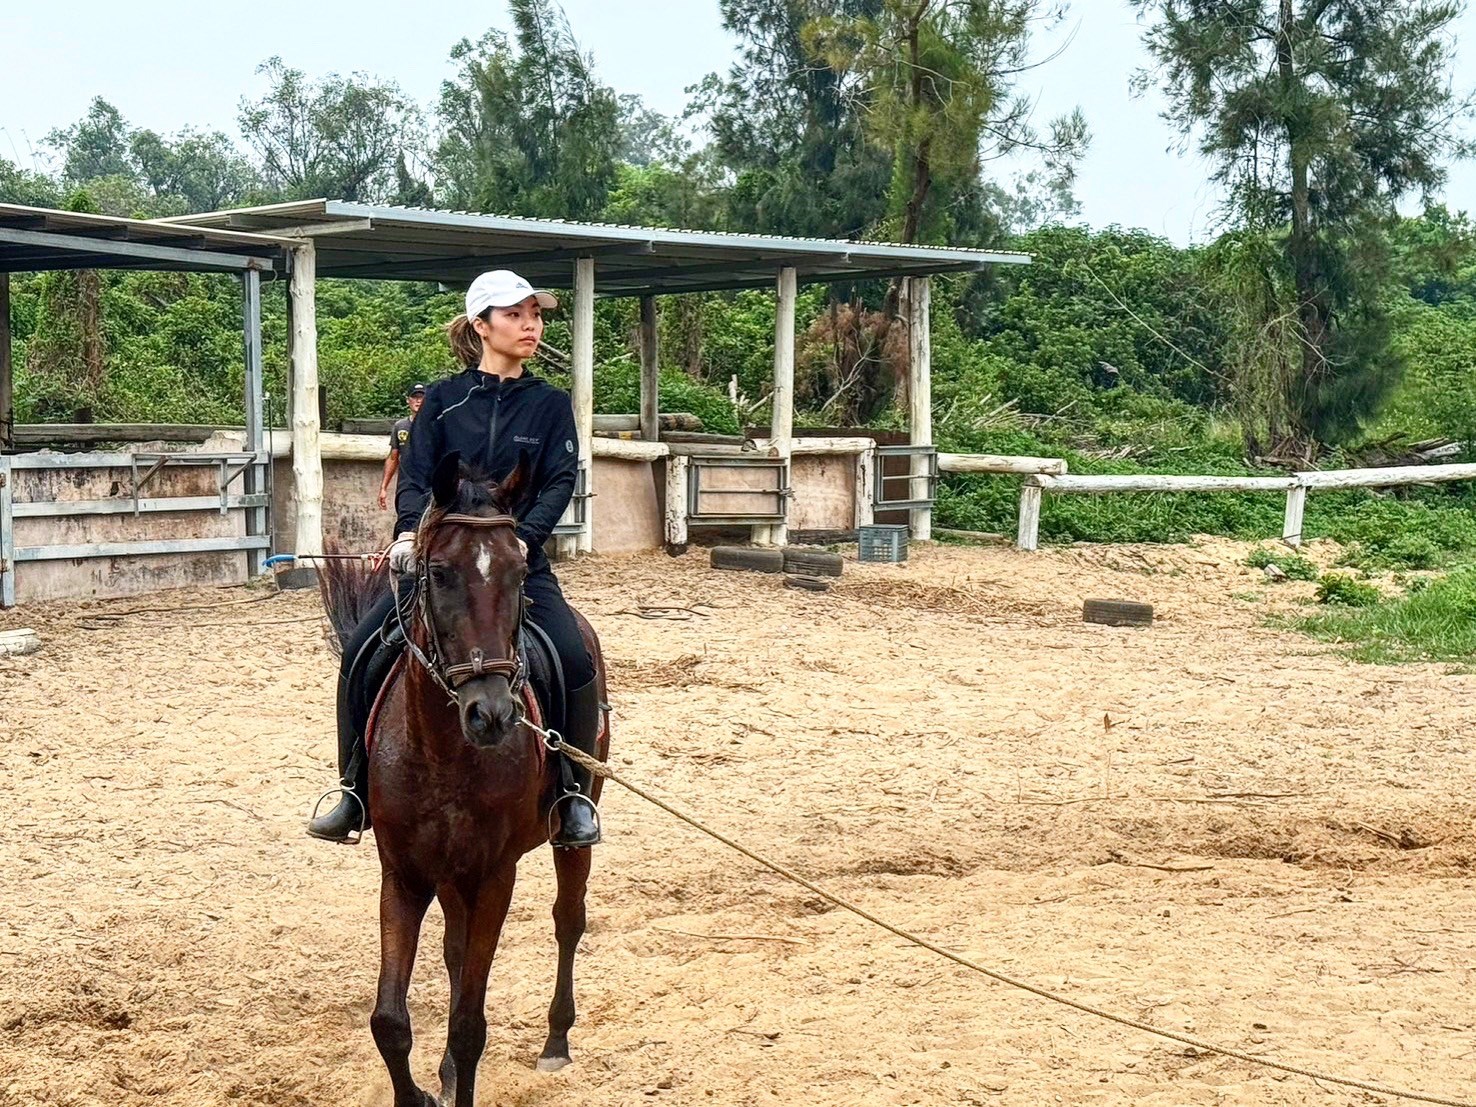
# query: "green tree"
{"points": [[938, 78], [193, 171], [527, 128], [21, 186], [95, 146], [1319, 115], [347, 138], [787, 124]]}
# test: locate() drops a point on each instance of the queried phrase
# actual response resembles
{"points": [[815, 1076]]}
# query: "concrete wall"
{"points": [[351, 515], [121, 576], [628, 517]]}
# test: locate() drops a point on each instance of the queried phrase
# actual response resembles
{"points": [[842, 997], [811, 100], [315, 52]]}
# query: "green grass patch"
{"points": [[1295, 566], [1343, 590], [1434, 623]]}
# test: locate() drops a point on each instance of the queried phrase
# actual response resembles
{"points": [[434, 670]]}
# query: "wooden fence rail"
{"points": [[1296, 486]]}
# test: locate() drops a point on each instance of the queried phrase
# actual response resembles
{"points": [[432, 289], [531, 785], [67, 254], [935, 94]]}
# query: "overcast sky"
{"points": [[167, 64]]}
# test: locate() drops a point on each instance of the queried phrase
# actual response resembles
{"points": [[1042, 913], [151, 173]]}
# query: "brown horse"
{"points": [[459, 787]]}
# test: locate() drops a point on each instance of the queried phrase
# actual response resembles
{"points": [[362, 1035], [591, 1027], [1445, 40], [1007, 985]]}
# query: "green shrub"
{"points": [[1339, 588], [1295, 566]]}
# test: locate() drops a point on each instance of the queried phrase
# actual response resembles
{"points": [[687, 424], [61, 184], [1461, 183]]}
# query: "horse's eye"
{"points": [[441, 576]]}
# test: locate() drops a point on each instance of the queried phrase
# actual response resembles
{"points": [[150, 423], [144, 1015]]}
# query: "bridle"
{"points": [[452, 675]]}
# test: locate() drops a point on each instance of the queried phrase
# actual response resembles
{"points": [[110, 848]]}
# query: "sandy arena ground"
{"points": [[1220, 827]]}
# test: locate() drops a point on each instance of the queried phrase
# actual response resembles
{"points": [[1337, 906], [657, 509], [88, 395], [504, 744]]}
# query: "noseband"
{"points": [[452, 675]]}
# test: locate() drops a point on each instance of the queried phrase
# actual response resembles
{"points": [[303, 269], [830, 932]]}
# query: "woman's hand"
{"points": [[523, 546]]}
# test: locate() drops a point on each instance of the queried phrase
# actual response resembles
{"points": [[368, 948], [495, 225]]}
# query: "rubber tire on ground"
{"points": [[806, 584], [813, 563], [754, 559], [1117, 613]]}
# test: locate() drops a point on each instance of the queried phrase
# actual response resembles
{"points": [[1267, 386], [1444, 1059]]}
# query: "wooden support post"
{"points": [[582, 386], [920, 399], [255, 475], [302, 355], [1029, 536], [1296, 504], [866, 487], [7, 369], [650, 371], [677, 468], [782, 433]]}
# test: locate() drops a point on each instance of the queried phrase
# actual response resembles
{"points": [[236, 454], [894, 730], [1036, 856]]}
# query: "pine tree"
{"points": [[1319, 116]]}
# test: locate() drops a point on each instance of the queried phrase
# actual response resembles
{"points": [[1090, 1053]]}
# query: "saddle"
{"points": [[378, 660]]}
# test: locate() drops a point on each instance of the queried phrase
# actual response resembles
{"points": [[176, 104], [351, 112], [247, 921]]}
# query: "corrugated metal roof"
{"points": [[39, 239], [403, 243]]}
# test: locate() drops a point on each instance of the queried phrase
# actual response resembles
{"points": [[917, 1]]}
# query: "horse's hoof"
{"points": [[552, 1064]]}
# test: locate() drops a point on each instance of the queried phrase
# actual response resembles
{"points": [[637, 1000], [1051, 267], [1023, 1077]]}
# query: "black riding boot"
{"points": [[579, 822], [349, 818]]}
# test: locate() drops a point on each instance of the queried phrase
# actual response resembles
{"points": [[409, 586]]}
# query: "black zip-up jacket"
{"points": [[491, 422]]}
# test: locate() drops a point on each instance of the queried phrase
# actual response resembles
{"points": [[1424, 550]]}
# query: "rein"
{"points": [[451, 676]]}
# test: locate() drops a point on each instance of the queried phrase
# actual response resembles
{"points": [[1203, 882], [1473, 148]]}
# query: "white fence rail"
{"points": [[1296, 486]]}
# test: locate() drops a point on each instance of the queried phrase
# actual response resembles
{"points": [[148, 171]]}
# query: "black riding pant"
{"points": [[546, 607]]}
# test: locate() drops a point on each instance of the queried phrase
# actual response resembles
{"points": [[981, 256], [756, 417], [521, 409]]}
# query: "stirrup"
{"points": [[343, 790], [575, 797]]}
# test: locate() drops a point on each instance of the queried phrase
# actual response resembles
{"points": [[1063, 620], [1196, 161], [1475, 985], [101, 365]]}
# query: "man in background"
{"points": [[399, 439]]}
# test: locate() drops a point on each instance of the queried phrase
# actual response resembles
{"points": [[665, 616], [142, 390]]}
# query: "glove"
{"points": [[402, 553]]}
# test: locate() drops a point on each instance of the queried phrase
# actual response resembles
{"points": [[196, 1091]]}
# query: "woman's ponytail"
{"points": [[466, 344]]}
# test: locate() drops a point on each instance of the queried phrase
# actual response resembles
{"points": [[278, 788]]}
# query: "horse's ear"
{"points": [[446, 479], [514, 491]]}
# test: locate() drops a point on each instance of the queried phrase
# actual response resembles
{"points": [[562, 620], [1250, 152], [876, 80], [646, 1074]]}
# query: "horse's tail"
{"points": [[349, 587]]}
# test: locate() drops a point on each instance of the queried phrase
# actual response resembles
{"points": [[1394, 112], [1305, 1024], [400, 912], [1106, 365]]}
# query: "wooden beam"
{"points": [[865, 504], [1028, 537], [1001, 463], [581, 389], [920, 398], [302, 353], [781, 430], [650, 371], [628, 449], [1153, 482], [677, 468], [7, 369], [1291, 524]]}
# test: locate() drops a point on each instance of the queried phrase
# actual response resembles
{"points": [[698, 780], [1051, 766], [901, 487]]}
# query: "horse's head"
{"points": [[471, 569]]}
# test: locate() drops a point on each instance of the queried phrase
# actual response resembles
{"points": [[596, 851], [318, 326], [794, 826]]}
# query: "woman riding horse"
{"points": [[494, 413]]}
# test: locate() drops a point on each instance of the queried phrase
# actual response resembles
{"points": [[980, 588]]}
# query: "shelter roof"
{"points": [[38, 239], [399, 243]]}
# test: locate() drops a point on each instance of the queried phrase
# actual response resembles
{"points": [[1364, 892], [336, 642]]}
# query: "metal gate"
{"points": [[710, 504], [880, 500]]}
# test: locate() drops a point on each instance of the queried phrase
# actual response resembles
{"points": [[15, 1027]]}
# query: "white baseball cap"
{"points": [[504, 288]]}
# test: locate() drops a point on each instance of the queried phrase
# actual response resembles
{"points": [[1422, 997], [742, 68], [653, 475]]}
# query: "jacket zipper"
{"points": [[496, 408]]}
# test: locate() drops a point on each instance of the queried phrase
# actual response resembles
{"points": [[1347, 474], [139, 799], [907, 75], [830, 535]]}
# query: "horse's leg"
{"points": [[571, 867], [468, 1036], [400, 913], [455, 949]]}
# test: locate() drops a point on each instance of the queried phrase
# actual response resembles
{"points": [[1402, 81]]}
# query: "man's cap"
{"points": [[504, 288], [415, 390]]}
